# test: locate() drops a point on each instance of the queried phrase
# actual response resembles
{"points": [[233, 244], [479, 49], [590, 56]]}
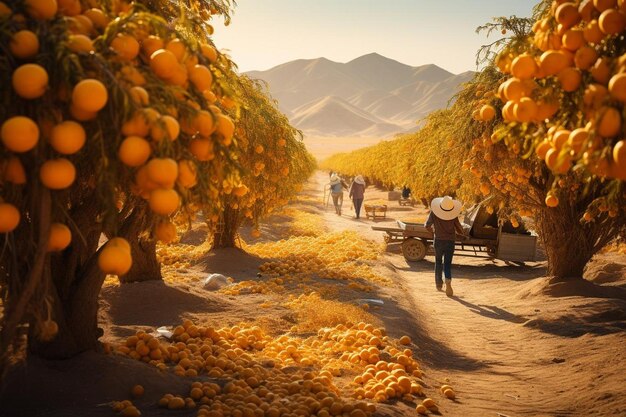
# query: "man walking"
{"points": [[444, 216]]}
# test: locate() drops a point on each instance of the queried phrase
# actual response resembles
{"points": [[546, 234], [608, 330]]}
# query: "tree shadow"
{"points": [[601, 323]]}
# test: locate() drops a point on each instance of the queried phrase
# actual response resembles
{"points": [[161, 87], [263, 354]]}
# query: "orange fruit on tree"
{"points": [[203, 123], [602, 5], [524, 66], [9, 217], [619, 159], [19, 134], [567, 14], [126, 46], [554, 61], [80, 43], [560, 137], [487, 113], [526, 110], [115, 259], [178, 48], [165, 232], [162, 171], [592, 32], [24, 44], [57, 174], [139, 95], [67, 137], [165, 127], [585, 57], [609, 122], [12, 171], [179, 77], [97, 17], [163, 63], [556, 162], [137, 125], [119, 242], [225, 128], [82, 115], [134, 151], [240, 191], [573, 39], [4, 10], [202, 149], [201, 77], [209, 52], [187, 174], [83, 24], [577, 138], [601, 70], [164, 201], [151, 44], [90, 95], [69, 7], [30, 81], [570, 79], [594, 95], [41, 9], [612, 22], [60, 237], [617, 87]]}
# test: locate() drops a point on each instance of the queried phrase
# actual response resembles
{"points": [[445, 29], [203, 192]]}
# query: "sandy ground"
{"points": [[508, 342]]}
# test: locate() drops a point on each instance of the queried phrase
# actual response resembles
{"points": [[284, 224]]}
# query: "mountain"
{"points": [[369, 96]]}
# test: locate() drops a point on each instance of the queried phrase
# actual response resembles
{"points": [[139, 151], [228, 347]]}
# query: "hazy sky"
{"points": [[265, 33]]}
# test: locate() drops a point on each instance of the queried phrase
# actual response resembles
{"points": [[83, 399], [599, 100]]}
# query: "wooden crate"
{"points": [[375, 211], [516, 247]]}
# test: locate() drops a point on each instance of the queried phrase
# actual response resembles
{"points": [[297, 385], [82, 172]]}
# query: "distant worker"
{"points": [[357, 192], [444, 216], [337, 185], [406, 192]]}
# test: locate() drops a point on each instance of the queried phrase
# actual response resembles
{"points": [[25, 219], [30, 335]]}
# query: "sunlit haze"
{"points": [[267, 33]]}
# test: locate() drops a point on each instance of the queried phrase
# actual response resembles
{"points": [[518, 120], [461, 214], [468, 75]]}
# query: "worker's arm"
{"points": [[429, 222], [458, 227]]}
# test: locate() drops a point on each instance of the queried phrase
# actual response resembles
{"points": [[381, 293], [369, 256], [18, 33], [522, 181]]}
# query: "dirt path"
{"points": [[506, 347]]}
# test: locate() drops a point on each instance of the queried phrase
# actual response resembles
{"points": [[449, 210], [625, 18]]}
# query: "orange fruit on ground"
{"points": [[98, 18], [114, 260], [209, 52], [30, 81], [165, 232], [165, 127], [80, 44], [585, 57], [202, 149], [60, 237], [151, 44], [139, 95], [225, 128], [617, 87], [187, 176], [573, 39], [450, 393], [24, 44], [554, 61], [524, 66], [201, 77], [567, 14], [610, 122], [19, 134], [570, 79], [162, 171], [592, 32], [57, 174], [41, 9], [134, 151], [137, 391], [67, 137], [9, 217], [13, 171], [164, 201], [405, 340], [612, 22], [90, 95], [163, 63], [126, 46]]}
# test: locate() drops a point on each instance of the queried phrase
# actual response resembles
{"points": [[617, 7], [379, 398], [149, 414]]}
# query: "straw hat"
{"points": [[334, 179], [359, 180], [445, 208]]}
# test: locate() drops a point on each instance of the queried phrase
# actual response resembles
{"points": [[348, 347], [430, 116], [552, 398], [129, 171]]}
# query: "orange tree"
{"points": [[274, 164], [109, 112], [555, 142]]}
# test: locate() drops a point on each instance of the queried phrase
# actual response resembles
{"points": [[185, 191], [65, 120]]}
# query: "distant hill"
{"points": [[368, 96]]}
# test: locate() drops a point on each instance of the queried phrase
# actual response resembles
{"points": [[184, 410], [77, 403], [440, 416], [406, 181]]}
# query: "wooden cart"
{"points": [[375, 211], [482, 242]]}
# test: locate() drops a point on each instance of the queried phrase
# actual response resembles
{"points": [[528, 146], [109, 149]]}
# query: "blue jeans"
{"points": [[444, 249]]}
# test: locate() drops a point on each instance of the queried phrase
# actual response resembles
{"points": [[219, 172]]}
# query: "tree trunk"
{"points": [[145, 266], [226, 234], [568, 243]]}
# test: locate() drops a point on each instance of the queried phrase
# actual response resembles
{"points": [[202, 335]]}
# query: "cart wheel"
{"points": [[413, 250]]}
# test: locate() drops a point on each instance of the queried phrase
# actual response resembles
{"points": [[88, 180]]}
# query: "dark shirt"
{"points": [[444, 229], [357, 191]]}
